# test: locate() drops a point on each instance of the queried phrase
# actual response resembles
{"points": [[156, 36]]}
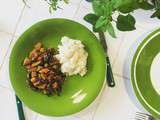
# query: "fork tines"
{"points": [[143, 116]]}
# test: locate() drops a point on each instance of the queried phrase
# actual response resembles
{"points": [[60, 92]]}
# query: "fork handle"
{"points": [[109, 75], [20, 109]]}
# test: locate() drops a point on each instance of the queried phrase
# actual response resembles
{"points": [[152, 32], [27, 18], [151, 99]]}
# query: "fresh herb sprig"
{"points": [[102, 19], [53, 4]]}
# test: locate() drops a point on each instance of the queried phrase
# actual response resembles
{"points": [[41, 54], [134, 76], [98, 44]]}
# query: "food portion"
{"points": [[48, 67], [44, 70], [72, 56]]}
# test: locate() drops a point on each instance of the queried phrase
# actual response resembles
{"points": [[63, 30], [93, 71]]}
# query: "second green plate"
{"points": [[145, 73]]}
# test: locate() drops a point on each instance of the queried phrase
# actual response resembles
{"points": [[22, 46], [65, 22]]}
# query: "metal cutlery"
{"points": [[143, 116], [20, 109], [109, 74]]}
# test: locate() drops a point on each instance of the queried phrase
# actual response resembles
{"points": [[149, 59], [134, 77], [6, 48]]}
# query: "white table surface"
{"points": [[117, 103]]}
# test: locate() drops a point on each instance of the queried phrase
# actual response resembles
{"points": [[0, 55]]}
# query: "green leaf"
{"points": [[145, 5], [135, 4], [94, 29], [108, 9], [156, 14], [157, 4], [103, 28], [97, 7], [131, 6], [103, 7], [104, 10], [101, 22], [125, 23], [91, 18], [110, 30], [119, 3], [157, 8]]}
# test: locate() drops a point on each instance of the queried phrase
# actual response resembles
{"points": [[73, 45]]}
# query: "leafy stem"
{"points": [[53, 4], [104, 10]]}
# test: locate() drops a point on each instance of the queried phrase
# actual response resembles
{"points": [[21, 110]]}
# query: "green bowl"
{"points": [[141, 73], [78, 92]]}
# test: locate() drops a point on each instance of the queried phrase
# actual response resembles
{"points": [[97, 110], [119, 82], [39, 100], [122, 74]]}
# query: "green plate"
{"points": [[78, 92], [144, 73]]}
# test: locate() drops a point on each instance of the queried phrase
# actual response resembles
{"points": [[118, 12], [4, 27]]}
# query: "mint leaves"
{"points": [[110, 30], [91, 18], [126, 23], [134, 5], [102, 19], [156, 14], [53, 4]]}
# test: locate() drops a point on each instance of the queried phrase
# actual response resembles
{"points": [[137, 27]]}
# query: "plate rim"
{"points": [[137, 92]]}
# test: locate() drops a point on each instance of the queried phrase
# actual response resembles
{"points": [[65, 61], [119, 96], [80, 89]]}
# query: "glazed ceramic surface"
{"points": [[78, 92], [144, 74]]}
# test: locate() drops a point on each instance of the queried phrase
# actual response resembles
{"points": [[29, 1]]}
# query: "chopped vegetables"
{"points": [[44, 70]]}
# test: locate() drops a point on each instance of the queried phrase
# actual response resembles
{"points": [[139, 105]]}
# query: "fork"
{"points": [[20, 109], [143, 116]]}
